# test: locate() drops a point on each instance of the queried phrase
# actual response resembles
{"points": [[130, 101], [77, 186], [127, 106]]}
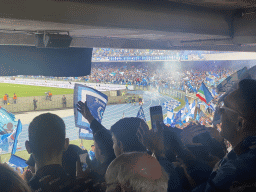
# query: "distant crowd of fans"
{"points": [[132, 157], [101, 54]]}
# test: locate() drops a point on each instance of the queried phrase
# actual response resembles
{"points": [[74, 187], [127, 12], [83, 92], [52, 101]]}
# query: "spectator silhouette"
{"points": [[10, 181], [238, 116], [124, 139], [124, 136], [34, 103], [47, 143], [64, 101], [47, 149], [136, 172]]}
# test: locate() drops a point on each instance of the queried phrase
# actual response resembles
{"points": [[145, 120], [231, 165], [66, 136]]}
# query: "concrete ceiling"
{"points": [[224, 25]]}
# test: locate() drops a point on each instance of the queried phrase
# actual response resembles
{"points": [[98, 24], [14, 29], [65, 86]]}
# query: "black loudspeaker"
{"points": [[53, 41]]}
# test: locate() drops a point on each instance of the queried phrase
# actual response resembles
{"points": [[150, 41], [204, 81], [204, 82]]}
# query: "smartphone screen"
{"points": [[156, 114]]}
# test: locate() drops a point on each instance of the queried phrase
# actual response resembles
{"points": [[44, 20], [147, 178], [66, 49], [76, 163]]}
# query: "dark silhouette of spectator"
{"points": [[138, 172], [70, 158], [124, 136], [238, 115], [64, 101], [11, 181], [34, 103], [47, 143], [5, 99], [14, 98], [124, 139], [50, 95]]}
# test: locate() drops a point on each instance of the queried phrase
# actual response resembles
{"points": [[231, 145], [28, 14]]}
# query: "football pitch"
{"points": [[30, 90], [24, 154]]}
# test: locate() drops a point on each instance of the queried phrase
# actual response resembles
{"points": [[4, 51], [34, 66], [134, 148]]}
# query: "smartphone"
{"points": [[156, 114]]}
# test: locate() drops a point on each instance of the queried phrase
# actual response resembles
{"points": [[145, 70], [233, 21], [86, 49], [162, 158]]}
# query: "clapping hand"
{"points": [[84, 110]]}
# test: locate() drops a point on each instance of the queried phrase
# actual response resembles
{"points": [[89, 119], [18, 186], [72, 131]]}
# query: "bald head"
{"points": [[137, 172]]}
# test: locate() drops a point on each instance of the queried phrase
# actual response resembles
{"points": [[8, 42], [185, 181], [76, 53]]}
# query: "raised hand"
{"points": [[84, 110], [153, 140]]}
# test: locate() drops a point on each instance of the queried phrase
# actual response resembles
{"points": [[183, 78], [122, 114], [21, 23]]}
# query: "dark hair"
{"points": [[125, 130], [104, 141], [11, 181], [247, 105], [92, 145], [46, 135]]}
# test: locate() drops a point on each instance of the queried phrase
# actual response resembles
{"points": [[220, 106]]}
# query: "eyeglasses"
{"points": [[222, 108]]}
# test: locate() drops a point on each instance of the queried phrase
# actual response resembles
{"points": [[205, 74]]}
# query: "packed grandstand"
{"points": [[181, 155]]}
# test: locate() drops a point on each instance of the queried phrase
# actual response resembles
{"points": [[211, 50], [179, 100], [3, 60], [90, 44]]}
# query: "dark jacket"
{"points": [[239, 166]]}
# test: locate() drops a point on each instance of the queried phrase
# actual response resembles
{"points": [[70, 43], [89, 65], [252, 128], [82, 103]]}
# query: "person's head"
{"points": [[63, 95], [69, 159], [103, 145], [92, 147], [124, 135], [238, 114], [136, 172], [46, 138], [11, 181]]}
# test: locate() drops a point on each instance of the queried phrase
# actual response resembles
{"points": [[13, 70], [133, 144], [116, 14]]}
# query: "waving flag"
{"points": [[197, 116], [16, 136], [141, 114], [170, 105], [214, 92], [204, 94], [187, 104], [190, 86], [96, 102], [209, 79], [177, 117], [7, 121], [215, 75], [9, 141]]}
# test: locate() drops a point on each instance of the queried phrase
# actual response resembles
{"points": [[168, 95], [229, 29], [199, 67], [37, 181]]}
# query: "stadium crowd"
{"points": [[132, 157], [108, 54], [147, 74]]}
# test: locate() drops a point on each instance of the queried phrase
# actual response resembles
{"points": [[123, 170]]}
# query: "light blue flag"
{"points": [[213, 92], [187, 104], [96, 102], [7, 130], [141, 114], [193, 104], [16, 135], [215, 75], [7, 121], [197, 116], [177, 117]]}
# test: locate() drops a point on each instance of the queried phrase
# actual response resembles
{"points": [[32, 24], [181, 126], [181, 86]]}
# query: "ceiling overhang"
{"points": [[124, 24]]}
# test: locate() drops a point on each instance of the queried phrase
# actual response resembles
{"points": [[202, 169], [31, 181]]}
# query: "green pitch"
{"points": [[24, 154], [30, 90]]}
